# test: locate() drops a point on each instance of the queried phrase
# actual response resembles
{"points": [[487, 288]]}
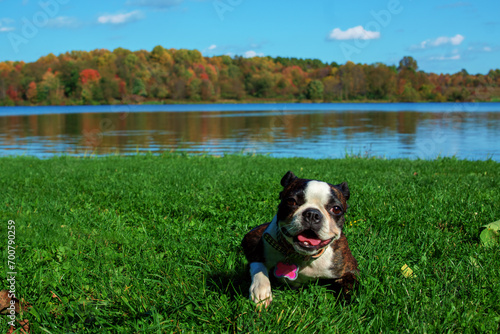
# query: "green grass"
{"points": [[151, 244]]}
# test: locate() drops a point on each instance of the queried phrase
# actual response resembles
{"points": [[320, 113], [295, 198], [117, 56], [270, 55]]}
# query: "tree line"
{"points": [[168, 75]]}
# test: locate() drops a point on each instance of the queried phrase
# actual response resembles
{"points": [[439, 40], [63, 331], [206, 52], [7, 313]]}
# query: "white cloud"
{"points": [[252, 53], [457, 39], [443, 40], [5, 24], [477, 48], [210, 49], [357, 32], [247, 50], [133, 16]]}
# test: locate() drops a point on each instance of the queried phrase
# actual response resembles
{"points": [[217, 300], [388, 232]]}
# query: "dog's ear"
{"points": [[344, 189], [287, 179]]}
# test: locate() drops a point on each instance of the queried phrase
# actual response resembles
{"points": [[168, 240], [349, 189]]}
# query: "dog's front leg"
{"points": [[260, 290]]}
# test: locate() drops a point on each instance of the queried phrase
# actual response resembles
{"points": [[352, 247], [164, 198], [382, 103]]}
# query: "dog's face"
{"points": [[311, 213]]}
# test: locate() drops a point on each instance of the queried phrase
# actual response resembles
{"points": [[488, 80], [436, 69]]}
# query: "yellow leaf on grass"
{"points": [[407, 272], [490, 236]]}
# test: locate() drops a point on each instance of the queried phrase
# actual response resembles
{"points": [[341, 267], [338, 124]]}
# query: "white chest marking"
{"points": [[319, 268]]}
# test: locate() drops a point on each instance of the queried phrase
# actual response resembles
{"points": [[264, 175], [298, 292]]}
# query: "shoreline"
{"points": [[243, 102], [243, 156]]}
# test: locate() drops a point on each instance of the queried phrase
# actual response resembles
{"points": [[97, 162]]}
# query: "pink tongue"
{"points": [[313, 242]]}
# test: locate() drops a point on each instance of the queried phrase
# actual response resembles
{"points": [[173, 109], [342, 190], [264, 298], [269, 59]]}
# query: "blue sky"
{"points": [[444, 36]]}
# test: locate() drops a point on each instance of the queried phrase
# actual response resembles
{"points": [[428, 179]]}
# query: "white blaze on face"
{"points": [[318, 195]]}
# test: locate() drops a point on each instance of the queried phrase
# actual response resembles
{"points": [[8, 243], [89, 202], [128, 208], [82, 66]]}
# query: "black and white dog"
{"points": [[304, 241]]}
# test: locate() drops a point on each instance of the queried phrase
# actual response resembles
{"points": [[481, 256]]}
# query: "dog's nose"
{"points": [[312, 216]]}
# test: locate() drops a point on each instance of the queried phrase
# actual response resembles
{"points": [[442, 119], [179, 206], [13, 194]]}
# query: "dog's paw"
{"points": [[260, 290]]}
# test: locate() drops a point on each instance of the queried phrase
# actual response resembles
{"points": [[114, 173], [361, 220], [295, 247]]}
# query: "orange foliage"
{"points": [[122, 86], [12, 92], [89, 75], [31, 92], [180, 74]]}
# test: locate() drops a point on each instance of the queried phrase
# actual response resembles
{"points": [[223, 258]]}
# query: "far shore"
{"points": [[246, 101]]}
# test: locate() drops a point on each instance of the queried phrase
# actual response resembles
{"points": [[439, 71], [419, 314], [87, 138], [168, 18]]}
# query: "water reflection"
{"points": [[304, 133]]}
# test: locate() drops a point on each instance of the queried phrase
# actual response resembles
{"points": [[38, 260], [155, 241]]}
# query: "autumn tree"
{"points": [[89, 75], [380, 81], [12, 93], [50, 90], [352, 80], [101, 76], [161, 56], [31, 92], [89, 79], [231, 80], [332, 88], [297, 77], [5, 68], [105, 63], [207, 90]]}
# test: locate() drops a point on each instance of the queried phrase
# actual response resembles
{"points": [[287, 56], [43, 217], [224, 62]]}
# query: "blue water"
{"points": [[390, 130], [277, 107]]}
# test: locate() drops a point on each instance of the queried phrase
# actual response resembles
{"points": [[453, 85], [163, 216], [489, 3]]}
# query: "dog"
{"points": [[304, 241]]}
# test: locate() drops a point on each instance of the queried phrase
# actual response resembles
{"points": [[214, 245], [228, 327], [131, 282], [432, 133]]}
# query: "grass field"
{"points": [[151, 244]]}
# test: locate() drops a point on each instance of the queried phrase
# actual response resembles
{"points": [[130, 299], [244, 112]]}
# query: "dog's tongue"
{"points": [[313, 241]]}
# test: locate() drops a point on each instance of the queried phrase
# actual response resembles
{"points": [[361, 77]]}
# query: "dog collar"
{"points": [[282, 246]]}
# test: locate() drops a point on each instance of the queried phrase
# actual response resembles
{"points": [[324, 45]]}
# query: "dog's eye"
{"points": [[291, 202], [336, 210]]}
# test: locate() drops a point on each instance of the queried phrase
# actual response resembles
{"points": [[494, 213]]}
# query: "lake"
{"points": [[329, 130]]}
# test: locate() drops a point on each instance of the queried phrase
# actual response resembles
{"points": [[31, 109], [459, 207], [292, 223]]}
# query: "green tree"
{"points": [[207, 90], [457, 94], [50, 89], [408, 63], [260, 85], [427, 92], [194, 89], [314, 90], [381, 82], [69, 75], [109, 90], [139, 88], [409, 94], [130, 61]]}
